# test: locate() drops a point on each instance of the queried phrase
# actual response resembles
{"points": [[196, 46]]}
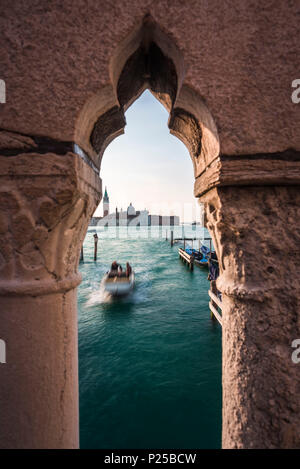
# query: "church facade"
{"points": [[131, 217]]}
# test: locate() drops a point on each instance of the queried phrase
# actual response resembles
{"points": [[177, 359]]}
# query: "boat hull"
{"points": [[118, 286], [201, 264]]}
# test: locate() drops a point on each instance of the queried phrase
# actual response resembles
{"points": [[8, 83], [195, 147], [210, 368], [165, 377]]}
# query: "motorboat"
{"points": [[119, 284]]}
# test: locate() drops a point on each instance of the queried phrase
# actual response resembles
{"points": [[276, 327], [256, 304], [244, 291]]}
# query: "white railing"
{"points": [[213, 309]]}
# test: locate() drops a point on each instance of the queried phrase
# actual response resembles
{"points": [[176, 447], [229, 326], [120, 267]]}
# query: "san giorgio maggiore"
{"points": [[131, 217]]}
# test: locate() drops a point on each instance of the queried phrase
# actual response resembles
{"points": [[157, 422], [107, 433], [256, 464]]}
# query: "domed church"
{"points": [[131, 211], [131, 217]]}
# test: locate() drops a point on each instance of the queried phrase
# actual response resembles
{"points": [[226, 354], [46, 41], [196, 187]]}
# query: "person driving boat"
{"points": [[115, 269]]}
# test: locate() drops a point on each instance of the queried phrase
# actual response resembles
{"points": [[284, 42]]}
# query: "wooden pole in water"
{"points": [[172, 237], [95, 246], [81, 254], [192, 262], [211, 313]]}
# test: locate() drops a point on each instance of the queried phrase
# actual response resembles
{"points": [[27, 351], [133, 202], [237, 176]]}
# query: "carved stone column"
{"points": [[46, 201], [256, 232]]}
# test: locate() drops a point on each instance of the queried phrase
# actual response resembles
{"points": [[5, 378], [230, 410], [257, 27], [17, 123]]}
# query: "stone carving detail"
{"points": [[47, 201]]}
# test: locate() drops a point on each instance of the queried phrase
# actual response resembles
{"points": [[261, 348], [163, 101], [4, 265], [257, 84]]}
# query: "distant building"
{"points": [[131, 217], [105, 203]]}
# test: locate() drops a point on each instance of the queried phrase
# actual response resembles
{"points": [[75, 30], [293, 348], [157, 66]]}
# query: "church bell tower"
{"points": [[105, 203]]}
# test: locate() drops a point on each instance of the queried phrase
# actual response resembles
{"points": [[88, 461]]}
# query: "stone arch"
{"points": [[148, 59], [50, 187], [231, 187]]}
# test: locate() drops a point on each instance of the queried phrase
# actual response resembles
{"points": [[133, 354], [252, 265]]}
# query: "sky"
{"points": [[148, 166]]}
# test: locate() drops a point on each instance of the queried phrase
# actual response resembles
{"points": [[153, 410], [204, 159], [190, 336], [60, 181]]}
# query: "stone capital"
{"points": [[46, 202]]}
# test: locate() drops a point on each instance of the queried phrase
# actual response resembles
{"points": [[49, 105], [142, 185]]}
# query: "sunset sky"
{"points": [[148, 166]]}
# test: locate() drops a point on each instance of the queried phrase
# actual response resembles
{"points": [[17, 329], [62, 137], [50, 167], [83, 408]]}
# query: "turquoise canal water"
{"points": [[150, 363]]}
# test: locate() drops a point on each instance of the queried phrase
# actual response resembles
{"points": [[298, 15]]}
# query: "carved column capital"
{"points": [[46, 202]]}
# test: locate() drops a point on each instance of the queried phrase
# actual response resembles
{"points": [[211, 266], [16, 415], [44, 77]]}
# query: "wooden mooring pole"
{"points": [[186, 258], [81, 254], [172, 238], [191, 266], [95, 246]]}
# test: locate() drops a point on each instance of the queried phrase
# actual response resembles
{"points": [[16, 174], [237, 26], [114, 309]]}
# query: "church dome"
{"points": [[131, 210]]}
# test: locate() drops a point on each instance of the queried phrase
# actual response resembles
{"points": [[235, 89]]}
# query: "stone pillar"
{"points": [[256, 232], [46, 201]]}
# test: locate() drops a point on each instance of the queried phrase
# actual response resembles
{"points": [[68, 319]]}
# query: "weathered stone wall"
{"points": [[240, 57], [224, 73], [256, 232]]}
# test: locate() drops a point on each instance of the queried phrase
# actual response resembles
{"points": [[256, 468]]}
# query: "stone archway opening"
{"points": [[50, 188], [51, 154], [148, 59], [228, 186], [147, 66], [100, 319]]}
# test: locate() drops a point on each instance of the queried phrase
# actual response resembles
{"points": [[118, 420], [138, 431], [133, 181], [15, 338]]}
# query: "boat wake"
{"points": [[99, 296]]}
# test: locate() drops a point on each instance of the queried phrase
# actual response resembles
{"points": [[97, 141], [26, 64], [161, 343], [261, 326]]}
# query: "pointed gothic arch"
{"points": [[148, 59], [59, 118]]}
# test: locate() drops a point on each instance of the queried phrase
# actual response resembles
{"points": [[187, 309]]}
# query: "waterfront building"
{"points": [[131, 217]]}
